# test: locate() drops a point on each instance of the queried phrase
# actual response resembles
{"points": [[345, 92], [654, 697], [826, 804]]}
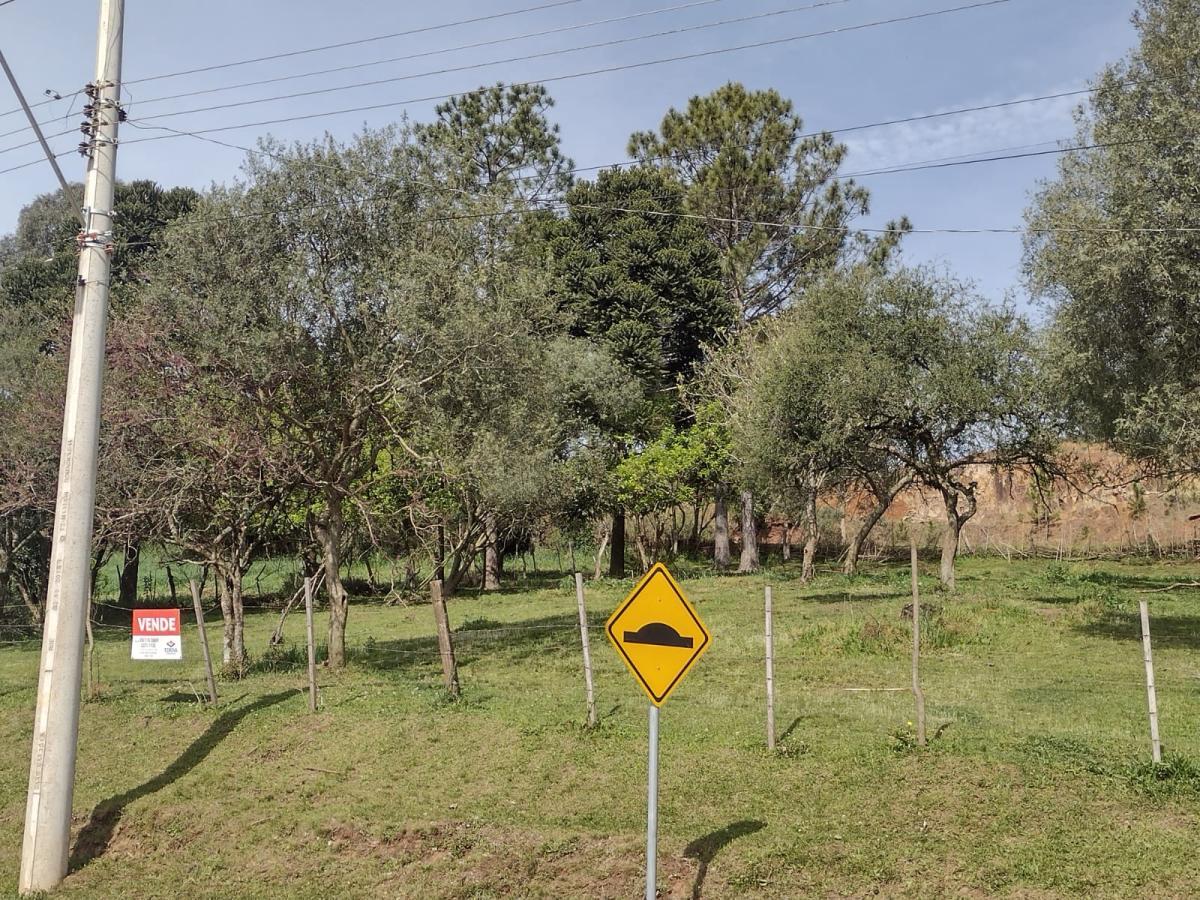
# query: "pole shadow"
{"points": [[705, 848], [787, 732], [95, 836]]}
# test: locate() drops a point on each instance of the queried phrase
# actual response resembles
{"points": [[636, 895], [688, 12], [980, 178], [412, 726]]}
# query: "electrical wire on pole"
{"points": [[37, 130]]}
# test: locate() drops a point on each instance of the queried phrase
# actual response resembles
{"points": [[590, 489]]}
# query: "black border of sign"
{"points": [[658, 700]]}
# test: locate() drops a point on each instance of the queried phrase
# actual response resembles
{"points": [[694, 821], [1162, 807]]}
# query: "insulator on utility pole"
{"points": [[56, 721]]}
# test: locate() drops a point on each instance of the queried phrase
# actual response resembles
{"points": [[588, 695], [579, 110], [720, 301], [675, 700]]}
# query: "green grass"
{"points": [[1038, 783]]}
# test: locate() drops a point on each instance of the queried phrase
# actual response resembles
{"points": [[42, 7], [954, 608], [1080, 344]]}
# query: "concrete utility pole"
{"points": [[56, 721]]}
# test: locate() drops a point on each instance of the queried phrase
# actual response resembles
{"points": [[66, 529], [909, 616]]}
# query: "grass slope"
{"points": [[1037, 785]]}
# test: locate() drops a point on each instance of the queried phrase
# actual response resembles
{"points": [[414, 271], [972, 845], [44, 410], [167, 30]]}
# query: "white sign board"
{"points": [[156, 634]]}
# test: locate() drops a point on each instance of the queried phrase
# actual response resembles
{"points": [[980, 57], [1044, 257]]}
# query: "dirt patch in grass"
{"points": [[465, 859]]}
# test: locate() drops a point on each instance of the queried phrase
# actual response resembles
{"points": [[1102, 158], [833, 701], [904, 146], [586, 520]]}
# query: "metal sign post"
{"points": [[652, 809], [659, 636]]}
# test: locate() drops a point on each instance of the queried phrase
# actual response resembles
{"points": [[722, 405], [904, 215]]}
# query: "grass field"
{"points": [[1037, 784]]}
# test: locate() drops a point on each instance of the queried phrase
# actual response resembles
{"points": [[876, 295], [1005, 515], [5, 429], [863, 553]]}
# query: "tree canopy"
{"points": [[1112, 247]]}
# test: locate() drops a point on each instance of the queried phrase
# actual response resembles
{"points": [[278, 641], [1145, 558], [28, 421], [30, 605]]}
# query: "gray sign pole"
{"points": [[652, 809]]}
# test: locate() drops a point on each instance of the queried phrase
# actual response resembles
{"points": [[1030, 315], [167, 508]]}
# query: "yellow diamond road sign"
{"points": [[658, 634]]}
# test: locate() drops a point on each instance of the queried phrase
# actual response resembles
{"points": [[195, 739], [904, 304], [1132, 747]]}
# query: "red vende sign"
{"points": [[156, 622]]}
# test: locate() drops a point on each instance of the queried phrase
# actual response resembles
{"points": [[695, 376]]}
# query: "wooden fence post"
{"points": [[198, 606], [89, 633], [312, 646], [587, 651], [770, 645], [1151, 695], [445, 644], [918, 694]]}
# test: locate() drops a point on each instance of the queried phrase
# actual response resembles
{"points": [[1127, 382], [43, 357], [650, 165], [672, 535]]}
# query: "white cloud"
{"points": [[981, 132]]}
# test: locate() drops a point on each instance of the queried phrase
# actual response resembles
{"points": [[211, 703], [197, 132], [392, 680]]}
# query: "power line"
{"points": [[33, 124], [56, 134], [587, 73], [427, 53], [472, 66], [958, 161], [614, 42], [921, 117], [491, 17], [786, 10], [1018, 101], [983, 108], [964, 159], [173, 132], [560, 205], [292, 53], [40, 103]]}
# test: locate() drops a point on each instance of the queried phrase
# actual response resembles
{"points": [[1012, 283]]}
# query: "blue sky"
{"points": [[973, 57]]}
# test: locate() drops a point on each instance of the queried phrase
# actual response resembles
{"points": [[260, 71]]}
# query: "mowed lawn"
{"points": [[1037, 782]]}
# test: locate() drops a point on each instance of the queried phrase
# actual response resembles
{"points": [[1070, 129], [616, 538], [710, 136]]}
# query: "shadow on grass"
{"points": [[1126, 581], [479, 639], [1182, 632], [704, 849], [517, 584], [95, 836], [848, 596], [787, 732]]}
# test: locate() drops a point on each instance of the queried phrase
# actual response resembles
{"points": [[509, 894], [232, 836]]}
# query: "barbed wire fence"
{"points": [[488, 652]]}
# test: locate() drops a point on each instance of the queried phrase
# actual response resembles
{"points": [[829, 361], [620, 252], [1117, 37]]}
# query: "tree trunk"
{"points": [[226, 615], [439, 563], [720, 532], [787, 541], [129, 575], [328, 533], [854, 548], [857, 539], [950, 538], [639, 541], [371, 581], [233, 641], [616, 554], [600, 555], [239, 624], [809, 567], [694, 540], [884, 497], [491, 555], [749, 558]]}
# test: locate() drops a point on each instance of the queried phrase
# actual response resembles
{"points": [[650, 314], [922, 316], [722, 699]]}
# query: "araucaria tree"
{"points": [[770, 201], [641, 282]]}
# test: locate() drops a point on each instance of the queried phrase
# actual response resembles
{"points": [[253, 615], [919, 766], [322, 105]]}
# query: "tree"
{"points": [[789, 428], [206, 390], [28, 460], [747, 164], [37, 277], [1112, 245], [673, 470], [494, 152], [934, 379], [796, 427], [637, 278]]}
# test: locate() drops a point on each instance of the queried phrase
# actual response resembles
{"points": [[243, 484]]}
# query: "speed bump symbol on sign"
{"points": [[658, 634]]}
